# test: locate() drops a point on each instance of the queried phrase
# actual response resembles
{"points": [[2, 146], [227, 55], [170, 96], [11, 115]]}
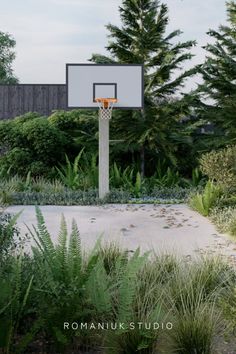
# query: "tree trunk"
{"points": [[142, 158]]}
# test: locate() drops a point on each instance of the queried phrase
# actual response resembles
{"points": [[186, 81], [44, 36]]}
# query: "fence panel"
{"points": [[18, 99]]}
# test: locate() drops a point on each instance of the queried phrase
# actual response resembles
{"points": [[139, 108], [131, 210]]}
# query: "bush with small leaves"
{"points": [[32, 144], [220, 166]]}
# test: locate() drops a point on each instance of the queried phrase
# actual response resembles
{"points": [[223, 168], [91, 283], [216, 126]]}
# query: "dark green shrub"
{"points": [[47, 143], [65, 121], [80, 127], [11, 130], [17, 161], [32, 144]]}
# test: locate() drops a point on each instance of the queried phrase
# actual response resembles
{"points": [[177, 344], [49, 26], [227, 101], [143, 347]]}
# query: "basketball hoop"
{"points": [[105, 106], [103, 86]]}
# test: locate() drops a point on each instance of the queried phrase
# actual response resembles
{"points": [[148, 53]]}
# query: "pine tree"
{"points": [[142, 39], [219, 74]]}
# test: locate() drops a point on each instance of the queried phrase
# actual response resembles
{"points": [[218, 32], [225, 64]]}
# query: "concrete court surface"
{"points": [[163, 228]]}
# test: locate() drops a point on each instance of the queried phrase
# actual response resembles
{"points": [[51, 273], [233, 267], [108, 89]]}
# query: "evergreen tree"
{"points": [[7, 55], [219, 74], [142, 39]]}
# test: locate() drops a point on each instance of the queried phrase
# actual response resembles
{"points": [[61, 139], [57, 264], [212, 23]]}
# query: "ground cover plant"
{"points": [[60, 283], [40, 191]]}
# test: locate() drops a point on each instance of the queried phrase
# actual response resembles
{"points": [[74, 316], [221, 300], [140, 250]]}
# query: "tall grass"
{"points": [[194, 294]]}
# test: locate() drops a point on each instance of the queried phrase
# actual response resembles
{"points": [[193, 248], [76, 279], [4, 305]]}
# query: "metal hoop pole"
{"points": [[103, 153]]}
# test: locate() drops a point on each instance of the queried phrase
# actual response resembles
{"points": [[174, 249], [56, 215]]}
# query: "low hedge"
{"points": [[90, 197]]}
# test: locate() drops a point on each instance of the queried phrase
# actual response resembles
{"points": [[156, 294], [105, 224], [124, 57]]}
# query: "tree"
{"points": [[142, 39], [218, 91], [7, 55]]}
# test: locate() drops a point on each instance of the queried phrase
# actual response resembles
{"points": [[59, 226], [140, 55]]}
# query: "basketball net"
{"points": [[105, 106]]}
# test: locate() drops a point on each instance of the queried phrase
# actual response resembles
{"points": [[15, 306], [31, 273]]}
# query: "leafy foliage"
{"points": [[13, 300], [225, 219], [32, 145], [69, 174], [80, 127], [219, 85], [142, 39], [7, 56], [220, 166], [204, 202], [165, 176], [10, 238], [127, 179]]}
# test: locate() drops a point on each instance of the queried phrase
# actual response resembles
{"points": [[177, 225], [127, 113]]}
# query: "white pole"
{"points": [[103, 155]]}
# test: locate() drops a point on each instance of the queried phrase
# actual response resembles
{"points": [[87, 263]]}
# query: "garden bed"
{"points": [[192, 302]]}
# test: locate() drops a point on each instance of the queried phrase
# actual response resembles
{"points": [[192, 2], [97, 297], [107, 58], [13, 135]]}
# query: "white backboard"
{"points": [[86, 82]]}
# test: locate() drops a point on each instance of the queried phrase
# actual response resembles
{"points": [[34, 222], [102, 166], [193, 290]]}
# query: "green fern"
{"points": [[61, 248], [44, 236], [74, 257], [128, 285], [131, 304], [98, 289]]}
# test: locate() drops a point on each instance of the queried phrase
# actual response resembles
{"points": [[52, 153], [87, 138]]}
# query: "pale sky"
{"points": [[50, 33]]}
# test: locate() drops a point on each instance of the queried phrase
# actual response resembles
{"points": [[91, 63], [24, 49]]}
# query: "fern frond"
{"points": [[62, 247], [128, 284], [45, 238], [74, 256], [97, 287]]}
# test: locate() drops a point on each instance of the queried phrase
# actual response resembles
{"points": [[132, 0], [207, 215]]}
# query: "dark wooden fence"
{"points": [[19, 99]]}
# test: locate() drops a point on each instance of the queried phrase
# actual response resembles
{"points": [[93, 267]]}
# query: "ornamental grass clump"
{"points": [[194, 293]]}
